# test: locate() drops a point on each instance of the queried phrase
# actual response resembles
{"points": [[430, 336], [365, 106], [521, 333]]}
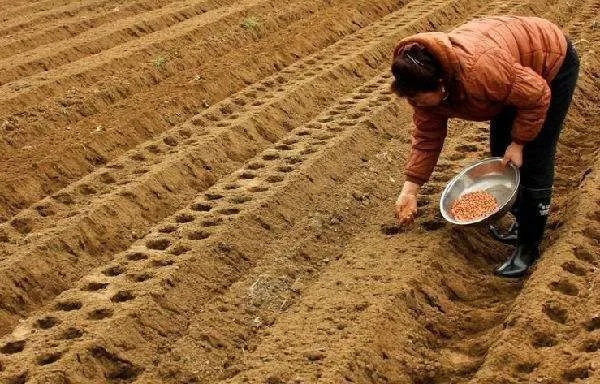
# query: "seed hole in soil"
{"points": [[13, 347], [107, 178], [198, 235], [527, 367], [293, 160], [275, 178], [141, 277], [22, 224], [456, 156], [94, 286], [201, 207], [308, 150], [158, 244], [212, 222], [555, 312], [544, 340], [575, 373], [71, 333], [114, 271], [303, 133], [258, 188], [466, 148], [86, 189], [185, 133], [229, 211], [162, 263], [69, 305], [229, 187], [169, 228], [119, 370], [179, 250], [153, 148], [590, 345], [284, 147], [122, 296], [284, 168], [565, 287], [270, 156], [100, 313], [170, 141], [64, 198], [44, 210], [18, 379], [184, 218], [592, 233], [584, 254], [593, 323], [47, 322], [247, 175], [138, 157], [240, 199], [433, 225], [335, 128], [325, 119], [239, 101], [213, 196], [290, 141], [257, 103], [136, 256], [390, 229], [49, 358], [255, 165]]}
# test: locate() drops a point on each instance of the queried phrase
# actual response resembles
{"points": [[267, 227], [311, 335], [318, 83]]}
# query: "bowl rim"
{"points": [[464, 171]]}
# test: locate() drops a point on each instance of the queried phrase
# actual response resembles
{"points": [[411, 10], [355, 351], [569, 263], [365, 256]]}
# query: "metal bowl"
{"points": [[488, 175]]}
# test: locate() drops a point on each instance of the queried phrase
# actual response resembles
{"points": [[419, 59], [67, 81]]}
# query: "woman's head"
{"points": [[418, 76]]}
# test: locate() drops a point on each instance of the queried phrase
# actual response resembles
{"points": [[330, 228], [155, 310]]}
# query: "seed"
{"points": [[474, 205]]}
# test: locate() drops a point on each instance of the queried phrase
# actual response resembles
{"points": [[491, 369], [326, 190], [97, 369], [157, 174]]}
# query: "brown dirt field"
{"points": [[201, 191]]}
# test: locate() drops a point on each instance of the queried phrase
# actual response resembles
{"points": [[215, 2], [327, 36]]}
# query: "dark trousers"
{"points": [[537, 171]]}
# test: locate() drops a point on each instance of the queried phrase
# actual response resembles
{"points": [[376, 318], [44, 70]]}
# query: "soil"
{"points": [[202, 192]]}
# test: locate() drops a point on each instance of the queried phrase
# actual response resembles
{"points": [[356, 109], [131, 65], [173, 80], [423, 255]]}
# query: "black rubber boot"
{"points": [[531, 218], [507, 237], [519, 262]]}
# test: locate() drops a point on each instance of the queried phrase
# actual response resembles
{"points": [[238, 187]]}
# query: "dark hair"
{"points": [[415, 70]]}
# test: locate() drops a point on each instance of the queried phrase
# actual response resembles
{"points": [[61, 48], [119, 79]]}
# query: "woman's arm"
{"points": [[427, 141]]}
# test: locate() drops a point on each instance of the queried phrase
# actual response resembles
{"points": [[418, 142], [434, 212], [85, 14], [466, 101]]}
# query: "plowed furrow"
{"points": [[202, 236], [37, 20], [151, 112], [125, 37], [161, 175], [26, 36], [18, 8]]}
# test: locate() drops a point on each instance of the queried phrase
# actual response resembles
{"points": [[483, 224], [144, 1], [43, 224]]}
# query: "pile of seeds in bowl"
{"points": [[473, 206]]}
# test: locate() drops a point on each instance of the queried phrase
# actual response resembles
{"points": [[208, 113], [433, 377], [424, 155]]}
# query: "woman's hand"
{"points": [[406, 204], [513, 154]]}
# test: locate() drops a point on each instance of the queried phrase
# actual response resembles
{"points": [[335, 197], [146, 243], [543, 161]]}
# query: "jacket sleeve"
{"points": [[427, 141], [501, 79]]}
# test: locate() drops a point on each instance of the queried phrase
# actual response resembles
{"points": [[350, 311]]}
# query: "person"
{"points": [[517, 72]]}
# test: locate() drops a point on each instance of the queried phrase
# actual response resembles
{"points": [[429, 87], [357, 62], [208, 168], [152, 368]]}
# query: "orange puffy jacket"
{"points": [[488, 64]]}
